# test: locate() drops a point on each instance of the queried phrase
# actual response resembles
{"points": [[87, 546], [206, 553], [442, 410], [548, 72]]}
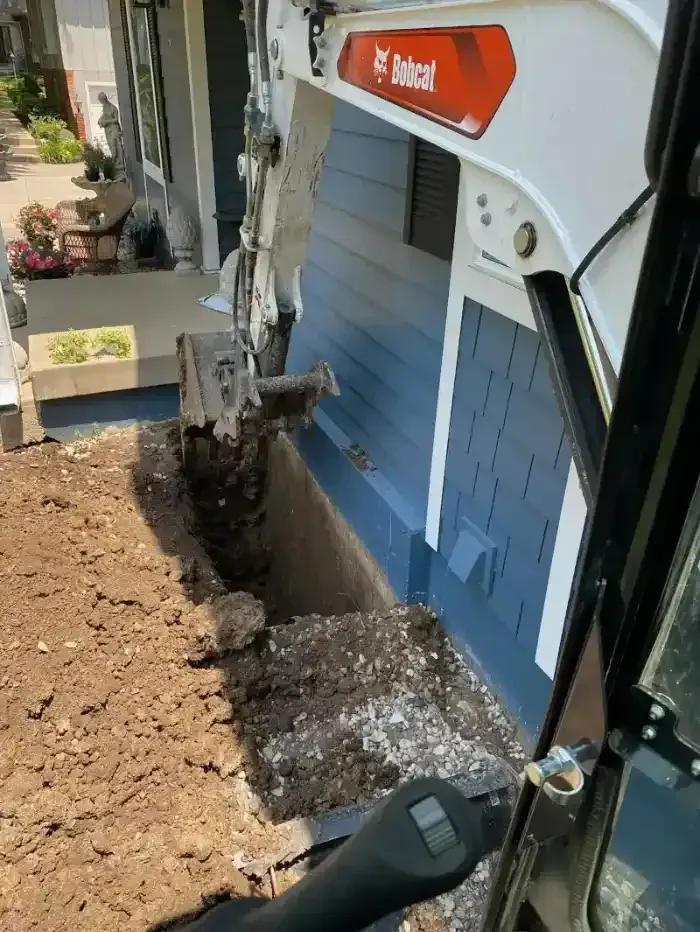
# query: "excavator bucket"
{"points": [[220, 399]]}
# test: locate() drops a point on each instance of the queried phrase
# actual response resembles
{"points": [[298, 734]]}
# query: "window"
{"points": [[143, 57], [431, 202], [5, 45], [145, 86]]}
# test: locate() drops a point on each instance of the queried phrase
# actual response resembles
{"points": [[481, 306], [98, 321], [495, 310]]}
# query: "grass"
{"points": [[78, 346]]}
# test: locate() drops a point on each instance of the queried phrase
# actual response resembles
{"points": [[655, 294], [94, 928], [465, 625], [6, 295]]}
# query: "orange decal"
{"points": [[456, 76]]}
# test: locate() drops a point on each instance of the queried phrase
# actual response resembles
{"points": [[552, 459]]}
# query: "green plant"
{"points": [[113, 337], [47, 127], [77, 346], [93, 157], [42, 107], [144, 235], [38, 224], [70, 347], [60, 151], [26, 95], [108, 168]]}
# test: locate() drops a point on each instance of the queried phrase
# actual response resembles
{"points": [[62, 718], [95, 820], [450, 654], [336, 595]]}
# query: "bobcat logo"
{"points": [[380, 62]]}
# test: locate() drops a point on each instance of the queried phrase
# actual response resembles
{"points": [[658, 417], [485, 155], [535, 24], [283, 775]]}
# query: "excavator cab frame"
{"points": [[602, 834]]}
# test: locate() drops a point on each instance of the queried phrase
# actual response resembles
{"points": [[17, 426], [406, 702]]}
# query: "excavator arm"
{"points": [[545, 104]]}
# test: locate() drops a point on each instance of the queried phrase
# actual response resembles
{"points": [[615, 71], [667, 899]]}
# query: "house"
{"points": [[445, 452], [15, 42], [182, 76], [72, 43]]}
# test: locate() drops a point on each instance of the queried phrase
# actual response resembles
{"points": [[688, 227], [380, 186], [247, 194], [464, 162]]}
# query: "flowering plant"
{"points": [[38, 224], [30, 263]]}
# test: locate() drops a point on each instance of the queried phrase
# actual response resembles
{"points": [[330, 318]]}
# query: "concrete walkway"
{"points": [[30, 178]]}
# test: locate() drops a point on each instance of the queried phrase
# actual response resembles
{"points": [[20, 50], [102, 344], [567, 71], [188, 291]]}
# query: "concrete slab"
{"points": [[154, 306]]}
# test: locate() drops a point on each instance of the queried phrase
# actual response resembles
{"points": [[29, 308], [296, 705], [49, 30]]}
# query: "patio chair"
{"points": [[89, 229]]}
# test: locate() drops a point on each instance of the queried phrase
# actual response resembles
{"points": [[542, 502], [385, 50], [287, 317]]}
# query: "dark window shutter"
{"points": [[130, 72], [431, 208]]}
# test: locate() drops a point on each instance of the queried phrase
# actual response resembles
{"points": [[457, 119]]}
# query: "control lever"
{"points": [[422, 840]]}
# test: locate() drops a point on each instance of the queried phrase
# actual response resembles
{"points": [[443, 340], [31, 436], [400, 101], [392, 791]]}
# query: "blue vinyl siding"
{"points": [[374, 307], [507, 462]]}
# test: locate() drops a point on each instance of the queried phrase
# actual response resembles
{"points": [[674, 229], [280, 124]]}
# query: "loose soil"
{"points": [[155, 733]]}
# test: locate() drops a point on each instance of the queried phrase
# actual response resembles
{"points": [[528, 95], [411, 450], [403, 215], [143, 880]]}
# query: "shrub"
{"points": [[60, 151], [29, 263], [27, 98], [38, 224], [42, 107], [47, 127]]}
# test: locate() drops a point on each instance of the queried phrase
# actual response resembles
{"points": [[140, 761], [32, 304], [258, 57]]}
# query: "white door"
{"points": [[94, 109]]}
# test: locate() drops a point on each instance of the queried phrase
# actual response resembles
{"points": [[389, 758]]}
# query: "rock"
{"points": [[285, 722], [194, 845], [43, 647], [285, 768], [21, 357], [39, 700], [228, 624], [101, 844]]}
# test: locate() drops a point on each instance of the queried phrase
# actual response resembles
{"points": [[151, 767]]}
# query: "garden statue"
{"points": [[109, 122], [182, 235]]}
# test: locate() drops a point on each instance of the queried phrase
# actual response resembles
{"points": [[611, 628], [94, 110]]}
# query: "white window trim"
{"points": [[195, 39], [572, 521], [490, 284], [486, 283], [150, 170]]}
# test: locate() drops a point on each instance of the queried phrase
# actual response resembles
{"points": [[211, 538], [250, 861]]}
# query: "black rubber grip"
{"points": [[423, 840]]}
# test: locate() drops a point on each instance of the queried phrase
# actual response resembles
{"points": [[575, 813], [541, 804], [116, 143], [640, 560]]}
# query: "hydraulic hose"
{"points": [[264, 62]]}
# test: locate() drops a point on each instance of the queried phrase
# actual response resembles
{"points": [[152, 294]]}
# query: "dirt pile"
{"points": [[118, 760], [153, 732]]}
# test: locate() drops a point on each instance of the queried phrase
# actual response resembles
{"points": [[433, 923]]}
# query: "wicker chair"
{"points": [[89, 229]]}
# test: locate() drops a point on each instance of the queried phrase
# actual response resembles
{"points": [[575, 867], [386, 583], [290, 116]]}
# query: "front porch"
{"points": [[84, 398]]}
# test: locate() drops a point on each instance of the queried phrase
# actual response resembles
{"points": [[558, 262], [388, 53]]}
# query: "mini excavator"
{"points": [[576, 128]]}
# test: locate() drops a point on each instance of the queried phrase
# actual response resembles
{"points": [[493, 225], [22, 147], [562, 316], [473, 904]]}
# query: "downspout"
{"points": [[10, 385], [10, 388]]}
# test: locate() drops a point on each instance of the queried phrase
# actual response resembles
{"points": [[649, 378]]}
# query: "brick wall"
{"points": [[60, 89], [507, 462]]}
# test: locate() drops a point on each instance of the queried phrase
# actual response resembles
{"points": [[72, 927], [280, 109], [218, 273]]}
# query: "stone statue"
{"points": [[109, 122]]}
